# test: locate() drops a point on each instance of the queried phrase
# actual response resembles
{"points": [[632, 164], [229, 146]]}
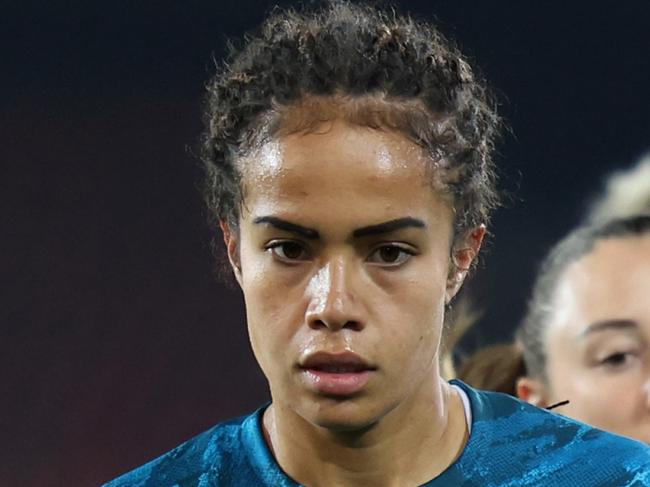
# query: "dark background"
{"points": [[117, 342]]}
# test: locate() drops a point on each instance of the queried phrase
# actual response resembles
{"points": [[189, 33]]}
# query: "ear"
{"points": [[463, 253], [230, 239], [532, 391]]}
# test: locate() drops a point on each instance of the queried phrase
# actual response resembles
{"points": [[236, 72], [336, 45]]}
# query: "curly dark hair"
{"points": [[419, 80]]}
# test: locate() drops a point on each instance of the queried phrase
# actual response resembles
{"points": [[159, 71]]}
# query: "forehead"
{"points": [[610, 282], [342, 169]]}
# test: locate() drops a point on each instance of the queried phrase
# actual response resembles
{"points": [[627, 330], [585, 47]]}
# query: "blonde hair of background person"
{"points": [[627, 192]]}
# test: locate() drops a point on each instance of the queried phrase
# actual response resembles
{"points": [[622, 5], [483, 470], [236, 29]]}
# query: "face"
{"points": [[598, 344], [343, 256]]}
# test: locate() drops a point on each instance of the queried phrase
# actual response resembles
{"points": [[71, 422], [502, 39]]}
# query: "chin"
{"points": [[344, 424], [343, 415]]}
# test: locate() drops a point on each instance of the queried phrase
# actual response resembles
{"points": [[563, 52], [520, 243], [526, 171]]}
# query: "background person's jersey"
{"points": [[511, 444]]}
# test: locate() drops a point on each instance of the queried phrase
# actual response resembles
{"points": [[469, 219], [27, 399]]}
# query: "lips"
{"points": [[338, 368], [336, 374]]}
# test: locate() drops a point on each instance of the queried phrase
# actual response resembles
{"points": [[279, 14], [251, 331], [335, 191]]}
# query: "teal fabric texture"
{"points": [[511, 444]]}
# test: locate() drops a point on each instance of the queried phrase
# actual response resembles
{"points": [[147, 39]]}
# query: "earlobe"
{"points": [[454, 282], [232, 248], [532, 391]]}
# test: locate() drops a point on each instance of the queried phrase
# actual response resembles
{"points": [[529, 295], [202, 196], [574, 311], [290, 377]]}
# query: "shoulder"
{"points": [[199, 461], [548, 445]]}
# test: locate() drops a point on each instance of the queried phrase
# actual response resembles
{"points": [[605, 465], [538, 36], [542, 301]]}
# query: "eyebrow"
{"points": [[605, 325], [279, 223], [311, 234], [388, 227]]}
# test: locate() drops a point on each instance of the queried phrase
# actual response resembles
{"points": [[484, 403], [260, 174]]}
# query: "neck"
{"points": [[410, 445]]}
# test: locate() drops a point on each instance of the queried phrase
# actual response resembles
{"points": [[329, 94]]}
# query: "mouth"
{"points": [[336, 374]]}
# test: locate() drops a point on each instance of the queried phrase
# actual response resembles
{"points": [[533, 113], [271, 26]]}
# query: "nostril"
{"points": [[317, 324], [353, 325]]}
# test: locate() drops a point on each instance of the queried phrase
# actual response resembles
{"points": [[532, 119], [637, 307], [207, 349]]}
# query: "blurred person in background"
{"points": [[586, 336]]}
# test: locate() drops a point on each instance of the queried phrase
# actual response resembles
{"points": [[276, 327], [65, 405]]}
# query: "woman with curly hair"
{"points": [[349, 165]]}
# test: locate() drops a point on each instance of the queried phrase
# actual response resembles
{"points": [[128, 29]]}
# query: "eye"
{"points": [[287, 250], [617, 360], [390, 255]]}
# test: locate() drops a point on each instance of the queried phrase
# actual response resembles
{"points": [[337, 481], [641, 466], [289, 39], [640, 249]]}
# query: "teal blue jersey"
{"points": [[511, 444]]}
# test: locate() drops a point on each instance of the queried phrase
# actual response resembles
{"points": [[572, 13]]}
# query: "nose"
{"points": [[333, 304]]}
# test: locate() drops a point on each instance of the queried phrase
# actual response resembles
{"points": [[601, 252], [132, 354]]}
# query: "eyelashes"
{"points": [[287, 251], [617, 360], [390, 254]]}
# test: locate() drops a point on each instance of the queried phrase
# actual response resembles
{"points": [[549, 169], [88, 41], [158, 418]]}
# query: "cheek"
{"points": [[265, 290], [273, 311], [596, 397], [418, 313], [606, 404]]}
